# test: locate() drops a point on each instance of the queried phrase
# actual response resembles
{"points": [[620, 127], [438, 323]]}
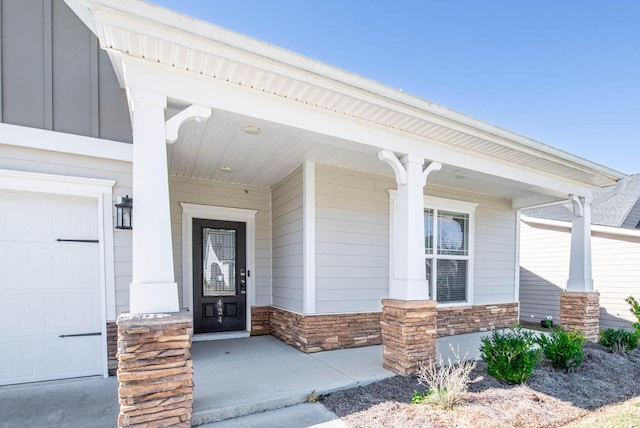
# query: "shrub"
{"points": [[446, 384], [511, 356], [635, 310], [563, 348], [619, 341]]}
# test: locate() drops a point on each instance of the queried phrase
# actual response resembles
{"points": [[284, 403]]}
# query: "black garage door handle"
{"points": [[80, 334]]}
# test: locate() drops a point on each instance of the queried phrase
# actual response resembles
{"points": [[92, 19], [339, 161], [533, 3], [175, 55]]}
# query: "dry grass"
{"points": [[551, 398]]}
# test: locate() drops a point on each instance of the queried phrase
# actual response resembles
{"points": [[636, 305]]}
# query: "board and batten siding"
{"points": [[49, 162], [352, 241], [54, 75], [287, 242], [544, 261], [230, 195]]}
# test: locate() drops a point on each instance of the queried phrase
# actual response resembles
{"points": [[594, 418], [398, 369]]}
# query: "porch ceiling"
{"points": [[204, 149]]}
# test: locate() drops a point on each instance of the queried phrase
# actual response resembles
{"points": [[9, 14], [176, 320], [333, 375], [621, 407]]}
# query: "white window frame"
{"points": [[439, 204]]}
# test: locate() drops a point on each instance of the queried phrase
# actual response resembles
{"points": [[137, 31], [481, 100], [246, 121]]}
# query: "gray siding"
{"points": [[49, 162], [54, 76], [544, 270], [221, 194], [352, 242], [287, 236]]}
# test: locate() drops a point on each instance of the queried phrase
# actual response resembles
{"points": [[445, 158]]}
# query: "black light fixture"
{"points": [[124, 206]]}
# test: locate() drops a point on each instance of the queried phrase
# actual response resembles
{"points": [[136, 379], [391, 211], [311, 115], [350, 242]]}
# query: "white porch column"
{"points": [[409, 274], [153, 289], [580, 276]]}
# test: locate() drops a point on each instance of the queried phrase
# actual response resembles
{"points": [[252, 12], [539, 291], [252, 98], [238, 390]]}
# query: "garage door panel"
{"points": [[63, 311], [47, 265], [49, 288], [48, 357]]}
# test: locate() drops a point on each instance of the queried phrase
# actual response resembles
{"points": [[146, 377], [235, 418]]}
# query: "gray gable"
{"points": [[621, 210]]}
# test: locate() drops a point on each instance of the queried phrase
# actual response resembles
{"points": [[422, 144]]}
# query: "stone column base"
{"points": [[581, 311], [155, 370], [408, 334]]}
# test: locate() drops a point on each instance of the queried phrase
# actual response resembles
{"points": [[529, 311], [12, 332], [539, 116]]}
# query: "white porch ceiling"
{"points": [[203, 149]]}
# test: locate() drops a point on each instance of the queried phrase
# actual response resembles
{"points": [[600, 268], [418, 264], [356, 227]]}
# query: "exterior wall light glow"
{"points": [[124, 216]]}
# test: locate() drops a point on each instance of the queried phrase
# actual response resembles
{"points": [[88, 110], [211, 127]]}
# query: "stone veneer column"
{"points": [[155, 370], [408, 334], [581, 311]]}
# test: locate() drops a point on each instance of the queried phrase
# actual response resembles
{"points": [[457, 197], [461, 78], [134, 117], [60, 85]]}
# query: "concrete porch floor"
{"points": [[233, 377]]}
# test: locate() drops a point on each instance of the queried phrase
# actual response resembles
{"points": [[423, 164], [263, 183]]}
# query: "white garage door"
{"points": [[50, 296]]}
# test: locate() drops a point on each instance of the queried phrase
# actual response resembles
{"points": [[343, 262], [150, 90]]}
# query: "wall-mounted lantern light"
{"points": [[124, 206]]}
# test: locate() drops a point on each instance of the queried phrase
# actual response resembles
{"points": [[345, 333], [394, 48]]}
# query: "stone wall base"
{"points": [[314, 333], [581, 311], [155, 370], [112, 347], [408, 334], [471, 319], [259, 320]]}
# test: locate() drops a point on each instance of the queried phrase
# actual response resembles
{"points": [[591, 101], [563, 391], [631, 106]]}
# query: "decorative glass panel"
{"points": [[453, 233], [428, 231], [452, 280], [218, 262]]}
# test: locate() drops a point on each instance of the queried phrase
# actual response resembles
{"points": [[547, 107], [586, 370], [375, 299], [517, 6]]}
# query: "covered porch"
{"points": [[275, 194]]}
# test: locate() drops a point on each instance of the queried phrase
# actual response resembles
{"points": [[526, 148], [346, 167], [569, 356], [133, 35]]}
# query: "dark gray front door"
{"points": [[219, 276]]}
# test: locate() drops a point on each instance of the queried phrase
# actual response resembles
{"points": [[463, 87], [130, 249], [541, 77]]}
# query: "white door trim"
{"points": [[209, 212], [102, 191]]}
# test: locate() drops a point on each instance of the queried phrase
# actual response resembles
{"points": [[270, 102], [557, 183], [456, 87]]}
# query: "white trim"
{"points": [[207, 337], [516, 292], [209, 212], [440, 204], [309, 237], [609, 230], [22, 136], [101, 190], [193, 112]]}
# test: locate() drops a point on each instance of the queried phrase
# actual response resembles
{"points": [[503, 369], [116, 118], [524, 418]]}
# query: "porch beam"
{"points": [[153, 287], [536, 201], [580, 272], [198, 89]]}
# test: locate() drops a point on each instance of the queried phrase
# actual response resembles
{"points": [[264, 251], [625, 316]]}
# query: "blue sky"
{"points": [[566, 73]]}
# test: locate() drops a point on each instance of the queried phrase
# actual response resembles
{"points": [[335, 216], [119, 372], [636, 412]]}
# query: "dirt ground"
{"points": [[551, 398]]}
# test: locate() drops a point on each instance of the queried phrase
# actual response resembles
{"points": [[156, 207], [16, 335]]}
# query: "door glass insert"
{"points": [[218, 262]]}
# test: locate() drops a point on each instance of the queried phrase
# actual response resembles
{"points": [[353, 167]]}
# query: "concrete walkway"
{"points": [[247, 379]]}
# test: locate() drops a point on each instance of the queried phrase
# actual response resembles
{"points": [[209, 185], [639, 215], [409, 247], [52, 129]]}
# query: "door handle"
{"points": [[80, 335]]}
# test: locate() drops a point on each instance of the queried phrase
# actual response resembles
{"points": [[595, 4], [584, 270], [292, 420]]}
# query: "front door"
{"points": [[219, 276]]}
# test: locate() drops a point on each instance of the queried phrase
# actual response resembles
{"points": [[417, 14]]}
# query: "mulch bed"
{"points": [[551, 398]]}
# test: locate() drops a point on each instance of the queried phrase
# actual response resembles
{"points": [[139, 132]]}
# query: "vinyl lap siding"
{"points": [[544, 272], [221, 194], [352, 240], [287, 242]]}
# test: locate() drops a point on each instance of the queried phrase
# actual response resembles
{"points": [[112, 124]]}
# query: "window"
{"points": [[447, 251]]}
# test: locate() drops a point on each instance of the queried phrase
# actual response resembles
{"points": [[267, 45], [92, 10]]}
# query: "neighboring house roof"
{"points": [[620, 210]]}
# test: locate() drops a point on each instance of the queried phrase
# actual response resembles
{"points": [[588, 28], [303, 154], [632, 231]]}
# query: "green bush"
{"points": [[511, 356], [635, 310], [620, 340], [563, 348]]}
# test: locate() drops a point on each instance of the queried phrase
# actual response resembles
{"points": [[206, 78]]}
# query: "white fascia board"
{"points": [[33, 138], [198, 89], [594, 228], [171, 27]]}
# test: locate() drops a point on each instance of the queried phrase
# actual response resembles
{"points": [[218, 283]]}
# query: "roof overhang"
{"points": [[210, 65]]}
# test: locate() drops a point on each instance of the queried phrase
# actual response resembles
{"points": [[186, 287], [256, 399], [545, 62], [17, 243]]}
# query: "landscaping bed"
{"points": [[551, 398]]}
